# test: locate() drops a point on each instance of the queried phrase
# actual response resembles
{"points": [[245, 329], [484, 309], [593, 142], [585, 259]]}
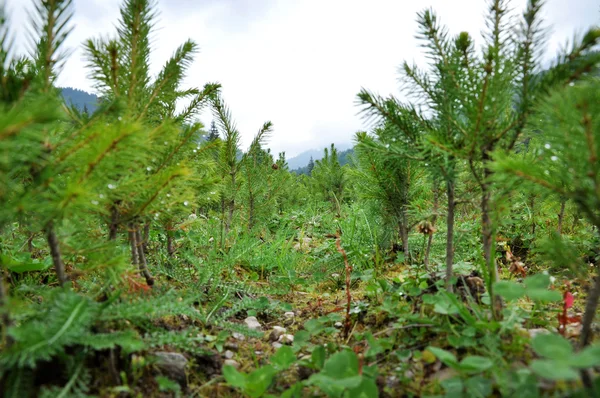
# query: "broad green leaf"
{"points": [[301, 338], [475, 363], [588, 358], [366, 389], [332, 386], [446, 357], [314, 326], [259, 381], [341, 365], [479, 387], [26, 265], [233, 377], [283, 358], [454, 387], [318, 357], [509, 290], [552, 346], [445, 308], [544, 295], [294, 391], [537, 281], [554, 370]]}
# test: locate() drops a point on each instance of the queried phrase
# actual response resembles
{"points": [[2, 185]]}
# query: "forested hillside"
{"points": [[82, 100], [452, 252]]}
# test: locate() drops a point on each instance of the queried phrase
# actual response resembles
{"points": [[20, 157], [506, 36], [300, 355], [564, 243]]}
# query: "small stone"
{"points": [[173, 366], [252, 323], [538, 331], [231, 362], [258, 352], [238, 336], [286, 339], [392, 382], [338, 325], [228, 354], [231, 346], [277, 345], [289, 315], [276, 333], [211, 240]]}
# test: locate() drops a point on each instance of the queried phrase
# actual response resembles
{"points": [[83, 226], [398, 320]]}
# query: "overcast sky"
{"points": [[298, 63]]}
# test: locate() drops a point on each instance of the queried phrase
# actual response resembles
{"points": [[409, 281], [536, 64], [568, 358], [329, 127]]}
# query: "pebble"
{"points": [[535, 332], [252, 323], [289, 315], [277, 332], [286, 339], [277, 345], [238, 336], [228, 354], [338, 325], [232, 346], [231, 362]]}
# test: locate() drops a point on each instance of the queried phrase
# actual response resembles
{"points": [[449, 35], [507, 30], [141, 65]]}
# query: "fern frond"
{"points": [[65, 318]]}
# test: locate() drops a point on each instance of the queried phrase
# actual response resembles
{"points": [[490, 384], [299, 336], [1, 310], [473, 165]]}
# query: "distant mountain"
{"points": [[302, 159], [343, 157], [81, 99]]}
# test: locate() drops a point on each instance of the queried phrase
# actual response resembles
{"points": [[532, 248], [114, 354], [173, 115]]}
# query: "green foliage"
{"points": [[505, 149], [328, 178], [559, 361]]}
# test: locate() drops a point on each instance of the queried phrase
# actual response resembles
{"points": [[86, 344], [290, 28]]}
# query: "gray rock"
{"points": [[289, 315], [252, 323], [232, 362], [231, 346], [277, 345], [276, 333], [228, 354], [238, 336], [286, 339], [538, 331], [338, 325], [173, 366]]}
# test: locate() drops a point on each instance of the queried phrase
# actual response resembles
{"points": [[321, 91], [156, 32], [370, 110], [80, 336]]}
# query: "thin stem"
{"points": [[54, 245]]}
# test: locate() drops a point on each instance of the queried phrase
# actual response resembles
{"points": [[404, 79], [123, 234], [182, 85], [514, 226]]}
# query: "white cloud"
{"points": [[300, 63]]}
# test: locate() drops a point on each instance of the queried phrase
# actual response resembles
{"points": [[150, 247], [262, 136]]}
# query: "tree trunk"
{"points": [[146, 237], [113, 227], [585, 338], [404, 238], [436, 195], [133, 244], [561, 216], [5, 318], [30, 242], [142, 259], [532, 205], [53, 243], [222, 219], [250, 210], [170, 246], [450, 233], [231, 205], [487, 240]]}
